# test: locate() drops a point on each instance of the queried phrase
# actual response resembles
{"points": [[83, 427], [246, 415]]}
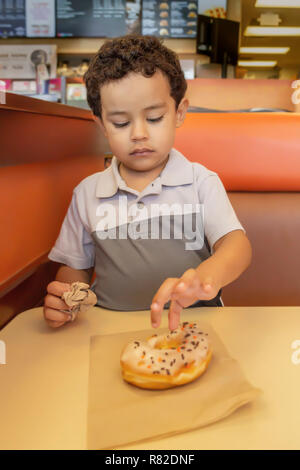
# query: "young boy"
{"points": [[117, 223]]}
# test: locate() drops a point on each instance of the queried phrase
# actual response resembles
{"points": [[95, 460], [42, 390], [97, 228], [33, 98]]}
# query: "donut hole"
{"points": [[167, 344]]}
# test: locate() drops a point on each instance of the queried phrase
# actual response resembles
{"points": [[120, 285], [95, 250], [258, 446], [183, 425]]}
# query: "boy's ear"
{"points": [[100, 124], [181, 111]]}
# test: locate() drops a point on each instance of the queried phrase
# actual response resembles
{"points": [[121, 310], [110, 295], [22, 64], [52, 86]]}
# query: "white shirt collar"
{"points": [[178, 171]]}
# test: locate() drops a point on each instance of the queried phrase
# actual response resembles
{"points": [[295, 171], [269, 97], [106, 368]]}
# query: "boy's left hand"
{"points": [[192, 286]]}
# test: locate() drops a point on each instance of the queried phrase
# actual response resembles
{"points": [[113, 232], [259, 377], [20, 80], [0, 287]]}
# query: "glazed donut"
{"points": [[169, 360]]}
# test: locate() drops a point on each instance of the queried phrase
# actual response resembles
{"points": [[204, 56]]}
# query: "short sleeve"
{"points": [[74, 245], [219, 215]]}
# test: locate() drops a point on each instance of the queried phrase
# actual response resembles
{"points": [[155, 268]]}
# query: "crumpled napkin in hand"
{"points": [[80, 298]]}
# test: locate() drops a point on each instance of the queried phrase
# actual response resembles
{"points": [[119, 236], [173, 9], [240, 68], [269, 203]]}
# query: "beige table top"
{"points": [[44, 383]]}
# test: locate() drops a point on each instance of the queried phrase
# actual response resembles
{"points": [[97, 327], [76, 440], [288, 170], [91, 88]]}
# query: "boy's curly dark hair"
{"points": [[132, 53]]}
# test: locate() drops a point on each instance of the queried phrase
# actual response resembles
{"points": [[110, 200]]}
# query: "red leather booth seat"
{"points": [[46, 150], [257, 156], [234, 93]]}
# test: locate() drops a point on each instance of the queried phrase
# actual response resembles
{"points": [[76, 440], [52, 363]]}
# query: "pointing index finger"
{"points": [[162, 296]]}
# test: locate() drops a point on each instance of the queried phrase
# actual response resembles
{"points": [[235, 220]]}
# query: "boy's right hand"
{"points": [[53, 304]]}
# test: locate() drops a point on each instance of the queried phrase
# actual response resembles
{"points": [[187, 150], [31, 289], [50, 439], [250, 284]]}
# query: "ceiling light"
{"points": [[257, 63], [264, 50], [272, 31], [278, 3]]}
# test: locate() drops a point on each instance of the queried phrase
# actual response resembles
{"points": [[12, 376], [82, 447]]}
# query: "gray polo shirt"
{"points": [[136, 240]]}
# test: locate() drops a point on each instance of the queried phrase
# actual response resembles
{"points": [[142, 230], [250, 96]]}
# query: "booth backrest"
{"points": [[234, 93], [46, 150], [257, 156], [251, 152]]}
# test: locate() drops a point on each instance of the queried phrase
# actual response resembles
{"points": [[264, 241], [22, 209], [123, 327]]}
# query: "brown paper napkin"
{"points": [[79, 298], [120, 414]]}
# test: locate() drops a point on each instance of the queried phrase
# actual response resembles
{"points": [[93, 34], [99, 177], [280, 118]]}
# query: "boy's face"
{"points": [[129, 125]]}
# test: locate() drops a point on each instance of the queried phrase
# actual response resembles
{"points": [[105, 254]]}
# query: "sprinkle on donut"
{"points": [[167, 354]]}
